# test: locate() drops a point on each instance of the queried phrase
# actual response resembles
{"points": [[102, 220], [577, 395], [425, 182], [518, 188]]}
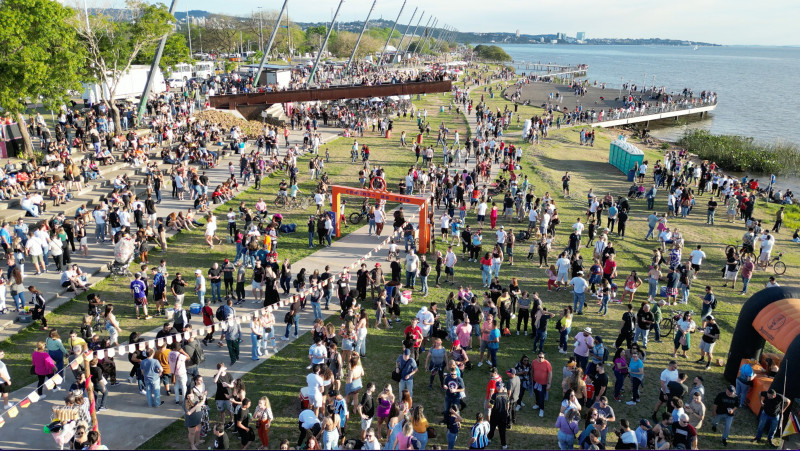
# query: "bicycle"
{"points": [[777, 265], [668, 323], [291, 203]]}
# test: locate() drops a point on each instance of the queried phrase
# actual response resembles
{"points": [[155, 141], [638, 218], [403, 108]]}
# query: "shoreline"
{"points": [[783, 181]]}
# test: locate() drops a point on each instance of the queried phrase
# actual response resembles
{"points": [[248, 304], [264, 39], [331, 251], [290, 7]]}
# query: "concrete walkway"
{"points": [[126, 404], [99, 254]]}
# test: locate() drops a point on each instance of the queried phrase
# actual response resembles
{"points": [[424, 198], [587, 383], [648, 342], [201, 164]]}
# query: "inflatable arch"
{"points": [[771, 315]]}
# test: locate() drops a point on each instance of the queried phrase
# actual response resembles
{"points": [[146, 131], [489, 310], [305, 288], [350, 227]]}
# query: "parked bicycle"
{"points": [[291, 203], [777, 265], [669, 322]]}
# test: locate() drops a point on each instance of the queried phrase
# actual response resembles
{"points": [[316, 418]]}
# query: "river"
{"points": [[755, 85]]}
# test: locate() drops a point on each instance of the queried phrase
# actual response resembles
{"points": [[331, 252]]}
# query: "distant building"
{"points": [[581, 35], [517, 32], [559, 36]]}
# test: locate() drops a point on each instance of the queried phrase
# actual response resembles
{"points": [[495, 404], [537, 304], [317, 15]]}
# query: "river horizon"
{"points": [[751, 82]]}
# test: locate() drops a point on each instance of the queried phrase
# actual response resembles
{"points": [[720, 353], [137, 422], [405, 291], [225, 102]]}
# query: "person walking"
{"points": [[43, 367], [541, 377], [725, 406], [499, 417], [773, 404], [711, 334], [406, 368], [233, 337]]}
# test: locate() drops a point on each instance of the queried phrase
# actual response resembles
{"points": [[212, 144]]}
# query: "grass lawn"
{"points": [[280, 377], [187, 251]]}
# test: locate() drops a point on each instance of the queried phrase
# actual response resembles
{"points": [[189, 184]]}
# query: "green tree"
{"points": [[41, 60], [113, 46], [176, 51], [491, 53]]}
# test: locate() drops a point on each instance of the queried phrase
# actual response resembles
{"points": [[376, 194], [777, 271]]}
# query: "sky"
{"points": [[729, 22]]}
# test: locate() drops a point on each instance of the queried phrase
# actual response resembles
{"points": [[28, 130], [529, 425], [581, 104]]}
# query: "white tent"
{"points": [[393, 98], [376, 100]]}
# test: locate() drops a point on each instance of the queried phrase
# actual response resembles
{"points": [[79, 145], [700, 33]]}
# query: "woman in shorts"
{"points": [[632, 283], [354, 380]]}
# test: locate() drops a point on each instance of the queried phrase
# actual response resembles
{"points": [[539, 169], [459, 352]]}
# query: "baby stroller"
{"points": [[123, 256]]}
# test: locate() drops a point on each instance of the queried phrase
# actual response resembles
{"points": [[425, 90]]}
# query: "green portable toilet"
{"points": [[623, 155]]}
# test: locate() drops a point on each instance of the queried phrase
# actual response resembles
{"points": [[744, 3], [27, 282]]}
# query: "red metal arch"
{"points": [[422, 203]]}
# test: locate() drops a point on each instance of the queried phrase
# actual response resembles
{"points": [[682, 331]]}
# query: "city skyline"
{"points": [[735, 22]]}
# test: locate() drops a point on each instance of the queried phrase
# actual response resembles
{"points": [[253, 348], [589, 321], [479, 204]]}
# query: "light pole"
{"points": [[260, 31], [189, 29]]}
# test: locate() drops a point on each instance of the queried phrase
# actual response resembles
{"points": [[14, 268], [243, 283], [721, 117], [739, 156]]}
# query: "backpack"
{"points": [[713, 302], [220, 315], [253, 244]]}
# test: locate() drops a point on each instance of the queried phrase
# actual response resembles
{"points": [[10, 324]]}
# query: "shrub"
{"points": [[743, 154]]}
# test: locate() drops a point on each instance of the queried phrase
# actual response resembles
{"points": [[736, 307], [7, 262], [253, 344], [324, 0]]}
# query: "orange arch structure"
{"points": [[422, 203]]}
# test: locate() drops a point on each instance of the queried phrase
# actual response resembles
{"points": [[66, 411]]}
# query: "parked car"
{"points": [[176, 83]]}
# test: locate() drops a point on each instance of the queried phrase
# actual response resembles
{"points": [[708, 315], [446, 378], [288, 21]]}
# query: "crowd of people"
{"points": [[478, 175]]}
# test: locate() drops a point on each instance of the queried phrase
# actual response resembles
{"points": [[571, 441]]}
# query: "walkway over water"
{"points": [[610, 103]]}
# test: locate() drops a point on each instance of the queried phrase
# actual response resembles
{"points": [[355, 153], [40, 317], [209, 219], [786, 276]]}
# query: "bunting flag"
{"points": [[75, 363], [792, 426]]}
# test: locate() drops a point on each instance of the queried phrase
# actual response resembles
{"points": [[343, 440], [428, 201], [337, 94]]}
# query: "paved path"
{"points": [[100, 254], [124, 401]]}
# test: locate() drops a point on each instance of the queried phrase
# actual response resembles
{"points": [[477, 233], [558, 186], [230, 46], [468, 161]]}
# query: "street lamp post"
{"points": [[189, 29], [260, 30]]}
